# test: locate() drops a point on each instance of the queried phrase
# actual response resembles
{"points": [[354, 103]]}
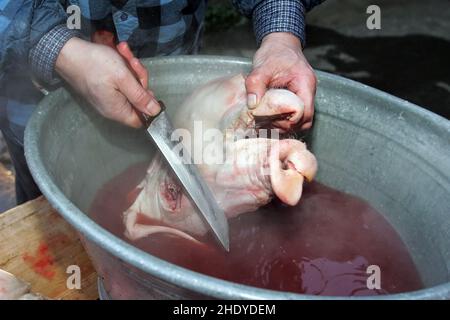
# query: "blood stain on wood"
{"points": [[42, 262]]}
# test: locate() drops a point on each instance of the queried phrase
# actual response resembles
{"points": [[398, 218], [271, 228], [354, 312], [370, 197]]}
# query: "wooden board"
{"points": [[37, 246]]}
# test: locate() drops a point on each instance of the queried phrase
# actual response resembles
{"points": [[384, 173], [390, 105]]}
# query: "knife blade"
{"points": [[160, 129]]}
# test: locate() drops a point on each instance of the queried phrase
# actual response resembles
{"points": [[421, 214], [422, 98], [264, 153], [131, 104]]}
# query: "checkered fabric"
{"points": [[163, 27], [279, 16], [44, 55], [151, 27]]}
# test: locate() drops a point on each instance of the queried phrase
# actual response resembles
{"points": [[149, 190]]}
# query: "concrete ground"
{"points": [[408, 57]]}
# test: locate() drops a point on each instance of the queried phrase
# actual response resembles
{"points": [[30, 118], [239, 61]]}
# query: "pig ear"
{"points": [[283, 103], [287, 182], [287, 185], [289, 163], [304, 162]]}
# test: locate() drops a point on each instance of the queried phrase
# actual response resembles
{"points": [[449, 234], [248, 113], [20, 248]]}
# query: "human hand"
{"points": [[134, 63], [280, 63], [103, 77]]}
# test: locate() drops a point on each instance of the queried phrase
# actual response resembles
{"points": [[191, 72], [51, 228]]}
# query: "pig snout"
{"points": [[290, 164], [257, 169], [254, 170]]}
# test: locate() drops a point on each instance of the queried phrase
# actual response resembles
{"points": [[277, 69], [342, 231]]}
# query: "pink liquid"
{"points": [[323, 246]]}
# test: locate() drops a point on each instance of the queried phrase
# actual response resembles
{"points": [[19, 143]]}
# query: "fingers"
{"points": [[142, 99], [135, 64], [305, 88], [125, 50], [125, 113], [131, 120], [138, 95], [140, 71], [104, 37], [256, 85]]}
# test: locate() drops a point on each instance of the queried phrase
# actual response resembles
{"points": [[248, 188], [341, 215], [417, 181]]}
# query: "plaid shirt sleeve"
{"points": [[43, 55], [277, 16], [22, 25]]}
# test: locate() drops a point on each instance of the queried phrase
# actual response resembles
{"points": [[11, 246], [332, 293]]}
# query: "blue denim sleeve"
{"points": [[277, 16], [22, 24]]}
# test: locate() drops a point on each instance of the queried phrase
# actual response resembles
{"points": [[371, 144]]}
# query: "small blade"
{"points": [[160, 130]]}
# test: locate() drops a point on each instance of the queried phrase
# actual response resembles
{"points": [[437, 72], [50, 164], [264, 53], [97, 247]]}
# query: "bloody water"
{"points": [[322, 246]]}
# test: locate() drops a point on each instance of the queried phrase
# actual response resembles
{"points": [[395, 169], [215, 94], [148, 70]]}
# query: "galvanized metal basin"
{"points": [[368, 143]]}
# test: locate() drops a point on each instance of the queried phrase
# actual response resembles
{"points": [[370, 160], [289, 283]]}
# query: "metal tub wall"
{"points": [[385, 150]]}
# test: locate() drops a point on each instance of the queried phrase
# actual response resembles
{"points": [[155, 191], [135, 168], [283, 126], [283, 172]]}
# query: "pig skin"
{"points": [[247, 176], [12, 288]]}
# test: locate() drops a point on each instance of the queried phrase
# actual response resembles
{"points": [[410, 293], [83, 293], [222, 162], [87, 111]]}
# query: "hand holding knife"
{"points": [[141, 74]]}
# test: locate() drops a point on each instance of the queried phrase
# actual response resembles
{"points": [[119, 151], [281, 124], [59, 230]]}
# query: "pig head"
{"points": [[244, 166]]}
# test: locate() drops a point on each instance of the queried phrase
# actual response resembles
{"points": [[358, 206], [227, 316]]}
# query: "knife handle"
{"points": [[146, 119]]}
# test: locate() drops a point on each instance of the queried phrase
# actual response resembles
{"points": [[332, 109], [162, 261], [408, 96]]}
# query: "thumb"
{"points": [[256, 85]]}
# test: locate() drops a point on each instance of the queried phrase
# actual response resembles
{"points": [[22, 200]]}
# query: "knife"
{"points": [[159, 128]]}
